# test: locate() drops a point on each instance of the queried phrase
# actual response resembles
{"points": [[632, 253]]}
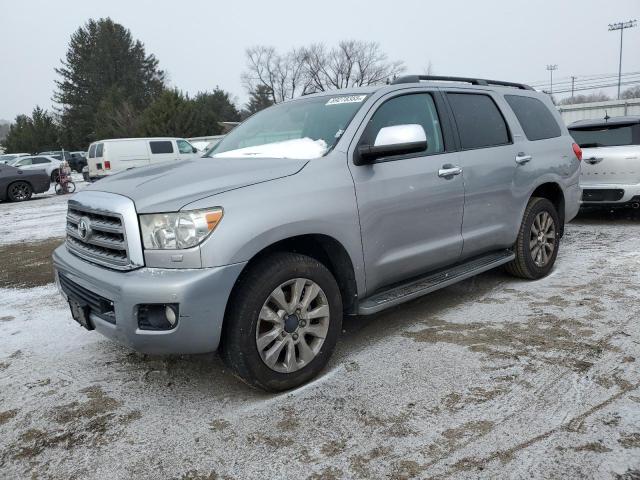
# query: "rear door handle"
{"points": [[448, 171], [521, 158]]}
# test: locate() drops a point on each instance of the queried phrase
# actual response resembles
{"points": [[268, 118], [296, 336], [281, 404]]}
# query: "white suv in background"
{"points": [[39, 162], [611, 160], [107, 157]]}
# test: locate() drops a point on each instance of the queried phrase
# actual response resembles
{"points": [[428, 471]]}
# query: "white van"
{"points": [[107, 157]]}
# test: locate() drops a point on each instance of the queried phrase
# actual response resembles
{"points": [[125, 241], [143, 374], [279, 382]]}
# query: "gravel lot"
{"points": [[491, 378]]}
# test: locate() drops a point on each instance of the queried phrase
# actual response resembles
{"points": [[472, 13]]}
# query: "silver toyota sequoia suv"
{"points": [[338, 203]]}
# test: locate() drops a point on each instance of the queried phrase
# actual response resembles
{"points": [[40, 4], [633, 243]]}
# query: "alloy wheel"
{"points": [[542, 241], [292, 325]]}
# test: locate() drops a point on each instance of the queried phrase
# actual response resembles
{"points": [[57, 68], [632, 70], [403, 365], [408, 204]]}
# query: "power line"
{"points": [[581, 79]]}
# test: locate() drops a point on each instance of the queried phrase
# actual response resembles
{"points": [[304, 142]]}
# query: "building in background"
{"points": [[587, 111]]}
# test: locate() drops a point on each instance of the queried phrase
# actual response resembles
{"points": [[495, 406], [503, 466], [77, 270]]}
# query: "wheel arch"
{"points": [[326, 250], [553, 192]]}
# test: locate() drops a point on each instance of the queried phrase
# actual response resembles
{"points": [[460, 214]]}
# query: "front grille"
{"points": [[97, 236], [602, 194], [100, 306]]}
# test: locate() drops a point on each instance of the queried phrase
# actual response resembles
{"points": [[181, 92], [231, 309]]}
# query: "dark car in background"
{"points": [[19, 185]]}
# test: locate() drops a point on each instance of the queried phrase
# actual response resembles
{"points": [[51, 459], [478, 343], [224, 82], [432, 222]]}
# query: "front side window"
{"points": [[305, 128], [607, 135], [184, 146], [414, 109], [23, 162], [161, 146], [99, 150], [479, 121], [534, 117], [92, 151]]}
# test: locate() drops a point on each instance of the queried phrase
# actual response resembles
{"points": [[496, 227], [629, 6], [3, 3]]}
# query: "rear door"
{"points": [[487, 159], [610, 153]]}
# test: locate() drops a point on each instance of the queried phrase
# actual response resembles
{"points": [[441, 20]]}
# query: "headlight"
{"points": [[166, 231]]}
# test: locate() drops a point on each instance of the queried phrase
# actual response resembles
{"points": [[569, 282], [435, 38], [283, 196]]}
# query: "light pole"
{"points": [[621, 26], [551, 68]]}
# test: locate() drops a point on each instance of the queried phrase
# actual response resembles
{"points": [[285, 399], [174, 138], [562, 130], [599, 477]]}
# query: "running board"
{"points": [[421, 286]]}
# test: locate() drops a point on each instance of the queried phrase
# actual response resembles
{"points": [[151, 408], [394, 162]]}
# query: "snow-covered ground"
{"points": [[490, 378], [40, 218]]}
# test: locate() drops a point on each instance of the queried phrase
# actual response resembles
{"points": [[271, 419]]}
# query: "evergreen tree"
{"points": [[259, 99], [103, 58], [172, 114], [33, 134]]}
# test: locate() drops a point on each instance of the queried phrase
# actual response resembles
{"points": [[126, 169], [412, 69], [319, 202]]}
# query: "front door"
{"points": [[410, 209]]}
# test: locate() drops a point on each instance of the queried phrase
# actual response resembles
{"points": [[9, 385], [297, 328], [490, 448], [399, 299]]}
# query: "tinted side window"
{"points": [[164, 146], [480, 123], [92, 151], [416, 108], [40, 160], [99, 150], [534, 117]]}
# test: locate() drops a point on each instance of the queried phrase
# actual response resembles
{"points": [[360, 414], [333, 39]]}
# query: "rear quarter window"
{"points": [[535, 118], [161, 146], [480, 123]]}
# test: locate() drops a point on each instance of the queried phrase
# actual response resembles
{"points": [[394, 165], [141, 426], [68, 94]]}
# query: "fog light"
{"points": [[160, 316]]}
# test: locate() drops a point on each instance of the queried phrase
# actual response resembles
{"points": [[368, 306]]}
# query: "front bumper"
{"points": [[630, 194], [201, 293]]}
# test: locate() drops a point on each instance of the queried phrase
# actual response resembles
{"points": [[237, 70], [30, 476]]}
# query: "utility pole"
{"points": [[550, 69], [573, 81], [621, 26]]}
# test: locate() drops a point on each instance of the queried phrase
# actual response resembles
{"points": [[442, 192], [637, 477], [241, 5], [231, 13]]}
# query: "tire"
{"points": [[71, 187], [55, 176], [531, 248], [19, 191], [245, 326]]}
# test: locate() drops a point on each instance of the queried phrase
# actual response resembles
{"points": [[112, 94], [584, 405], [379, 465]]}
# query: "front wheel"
{"points": [[537, 245], [283, 322], [19, 191]]}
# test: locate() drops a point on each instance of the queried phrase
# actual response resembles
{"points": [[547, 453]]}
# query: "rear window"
{"points": [[92, 151], [161, 146], [99, 150], [607, 136], [480, 123], [534, 117]]}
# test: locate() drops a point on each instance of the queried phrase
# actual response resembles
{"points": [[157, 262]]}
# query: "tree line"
{"points": [[108, 86]]}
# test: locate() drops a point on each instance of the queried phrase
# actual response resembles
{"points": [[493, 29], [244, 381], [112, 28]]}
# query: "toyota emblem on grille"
{"points": [[84, 228]]}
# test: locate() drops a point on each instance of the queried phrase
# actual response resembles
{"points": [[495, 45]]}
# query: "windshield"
{"points": [[6, 158], [609, 136], [303, 129]]}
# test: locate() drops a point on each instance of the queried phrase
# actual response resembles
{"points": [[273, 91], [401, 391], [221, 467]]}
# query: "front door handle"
{"points": [[521, 158], [594, 160], [448, 171]]}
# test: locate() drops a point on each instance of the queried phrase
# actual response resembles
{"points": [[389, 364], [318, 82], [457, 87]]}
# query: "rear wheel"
{"points": [[283, 322], [537, 245], [19, 191]]}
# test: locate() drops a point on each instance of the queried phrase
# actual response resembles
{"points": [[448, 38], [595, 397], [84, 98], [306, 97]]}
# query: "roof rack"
{"points": [[472, 81]]}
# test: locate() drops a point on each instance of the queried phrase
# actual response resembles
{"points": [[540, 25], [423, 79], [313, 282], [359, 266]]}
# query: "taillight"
{"points": [[577, 151], [107, 164]]}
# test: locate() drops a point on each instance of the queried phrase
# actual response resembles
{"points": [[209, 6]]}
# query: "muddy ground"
{"points": [[491, 378]]}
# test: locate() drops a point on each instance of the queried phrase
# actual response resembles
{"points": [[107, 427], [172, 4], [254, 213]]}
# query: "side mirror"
{"points": [[395, 140], [194, 149]]}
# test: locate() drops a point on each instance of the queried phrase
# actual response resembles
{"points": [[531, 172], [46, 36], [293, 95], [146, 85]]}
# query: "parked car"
{"points": [[8, 157], [611, 167], [57, 154], [19, 185], [345, 202], [78, 161], [39, 162], [107, 157]]}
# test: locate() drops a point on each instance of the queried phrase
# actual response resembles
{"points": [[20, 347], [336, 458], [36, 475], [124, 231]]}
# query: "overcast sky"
{"points": [[201, 44]]}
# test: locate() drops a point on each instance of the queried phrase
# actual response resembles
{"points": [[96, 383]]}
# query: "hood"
{"points": [[169, 186]]}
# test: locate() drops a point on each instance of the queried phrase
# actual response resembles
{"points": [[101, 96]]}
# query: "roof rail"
{"points": [[472, 81]]}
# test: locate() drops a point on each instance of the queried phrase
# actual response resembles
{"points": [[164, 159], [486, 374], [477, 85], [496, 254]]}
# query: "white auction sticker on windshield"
{"points": [[346, 99]]}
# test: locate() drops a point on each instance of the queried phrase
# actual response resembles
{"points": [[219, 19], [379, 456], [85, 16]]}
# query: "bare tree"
{"points": [[281, 75], [316, 68], [631, 92], [592, 97]]}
